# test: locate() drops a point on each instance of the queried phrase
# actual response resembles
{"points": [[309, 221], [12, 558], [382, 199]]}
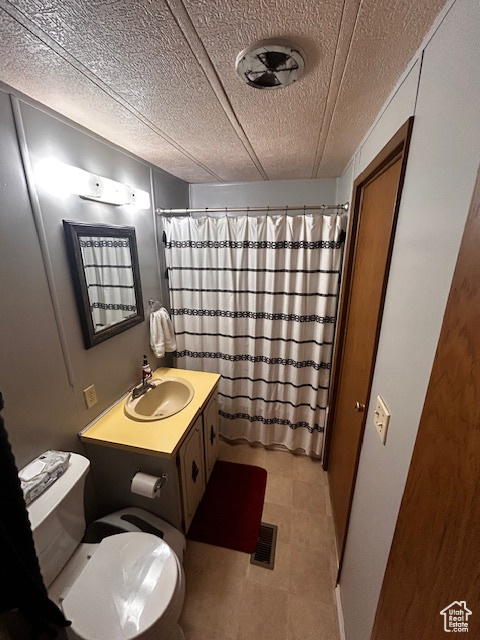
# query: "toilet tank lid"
{"points": [[126, 587], [49, 500]]}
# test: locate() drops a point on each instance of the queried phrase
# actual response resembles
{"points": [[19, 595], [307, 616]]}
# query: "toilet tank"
{"points": [[57, 518]]}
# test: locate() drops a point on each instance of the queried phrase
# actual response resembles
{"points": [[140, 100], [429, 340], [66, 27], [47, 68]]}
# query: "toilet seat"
{"points": [[132, 583]]}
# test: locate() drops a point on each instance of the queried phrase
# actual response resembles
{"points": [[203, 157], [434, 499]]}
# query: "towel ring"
{"points": [[152, 303]]}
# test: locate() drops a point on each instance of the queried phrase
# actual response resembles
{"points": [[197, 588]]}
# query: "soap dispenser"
{"points": [[146, 369]]}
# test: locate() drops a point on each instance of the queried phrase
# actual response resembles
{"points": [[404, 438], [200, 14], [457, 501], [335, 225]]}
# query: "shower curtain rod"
{"points": [[247, 210]]}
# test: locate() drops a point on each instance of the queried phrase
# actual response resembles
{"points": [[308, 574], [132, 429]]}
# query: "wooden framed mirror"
{"points": [[106, 278]]}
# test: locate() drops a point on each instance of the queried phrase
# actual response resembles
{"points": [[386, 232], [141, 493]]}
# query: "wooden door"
{"points": [[435, 555], [377, 194]]}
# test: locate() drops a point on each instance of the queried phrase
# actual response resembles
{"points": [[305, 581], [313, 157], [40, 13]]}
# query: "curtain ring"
{"points": [[268, 211], [304, 209]]}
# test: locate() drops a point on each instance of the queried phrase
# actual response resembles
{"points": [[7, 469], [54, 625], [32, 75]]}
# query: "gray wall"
{"points": [[441, 170], [264, 194], [42, 409]]}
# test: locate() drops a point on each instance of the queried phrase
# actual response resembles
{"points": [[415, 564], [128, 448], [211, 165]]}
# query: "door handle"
{"points": [[195, 471], [359, 407], [212, 436]]}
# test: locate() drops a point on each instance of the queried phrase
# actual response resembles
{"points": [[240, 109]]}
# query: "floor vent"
{"points": [[264, 555]]}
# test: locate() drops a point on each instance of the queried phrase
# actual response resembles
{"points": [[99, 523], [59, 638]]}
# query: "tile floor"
{"points": [[227, 598]]}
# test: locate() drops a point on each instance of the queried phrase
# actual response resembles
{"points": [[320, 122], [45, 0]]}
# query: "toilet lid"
{"points": [[126, 587]]}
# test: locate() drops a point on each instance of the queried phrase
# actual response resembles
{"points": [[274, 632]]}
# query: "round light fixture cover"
{"points": [[270, 64]]}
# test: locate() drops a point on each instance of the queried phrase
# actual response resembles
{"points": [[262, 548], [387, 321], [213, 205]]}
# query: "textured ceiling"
{"points": [[157, 77]]}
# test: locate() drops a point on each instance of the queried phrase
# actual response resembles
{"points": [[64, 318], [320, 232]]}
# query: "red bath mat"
{"points": [[230, 512]]}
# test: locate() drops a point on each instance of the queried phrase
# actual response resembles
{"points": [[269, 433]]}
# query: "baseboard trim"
{"points": [[341, 622]]}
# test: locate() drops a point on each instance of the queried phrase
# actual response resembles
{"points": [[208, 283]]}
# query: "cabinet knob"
{"points": [[213, 435], [359, 407], [195, 471]]}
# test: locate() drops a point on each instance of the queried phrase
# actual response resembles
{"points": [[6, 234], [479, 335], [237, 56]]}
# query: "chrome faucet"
{"points": [[139, 391]]}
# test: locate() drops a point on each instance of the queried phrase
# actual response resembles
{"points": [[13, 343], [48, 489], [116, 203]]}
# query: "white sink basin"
{"points": [[169, 396]]}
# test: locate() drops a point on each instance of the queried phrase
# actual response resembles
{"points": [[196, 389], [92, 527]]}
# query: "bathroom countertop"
{"points": [[160, 437]]}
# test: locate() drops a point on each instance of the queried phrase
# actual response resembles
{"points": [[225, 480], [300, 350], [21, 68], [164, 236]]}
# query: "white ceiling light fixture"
{"points": [[270, 64], [62, 179]]}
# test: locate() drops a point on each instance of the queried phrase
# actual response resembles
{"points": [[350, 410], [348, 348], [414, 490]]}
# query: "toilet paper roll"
{"points": [[146, 485]]}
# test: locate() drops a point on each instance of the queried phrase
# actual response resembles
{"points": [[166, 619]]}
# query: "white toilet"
{"points": [[129, 586]]}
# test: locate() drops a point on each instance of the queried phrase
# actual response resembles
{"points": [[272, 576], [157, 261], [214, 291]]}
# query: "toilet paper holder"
{"points": [[163, 477]]}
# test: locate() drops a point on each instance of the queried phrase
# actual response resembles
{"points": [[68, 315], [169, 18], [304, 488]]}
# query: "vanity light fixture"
{"points": [[62, 179]]}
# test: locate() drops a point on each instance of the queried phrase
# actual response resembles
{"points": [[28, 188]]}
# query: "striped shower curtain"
{"points": [[107, 264], [255, 299]]}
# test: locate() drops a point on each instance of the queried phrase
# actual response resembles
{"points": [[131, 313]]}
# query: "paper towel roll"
{"points": [[146, 485]]}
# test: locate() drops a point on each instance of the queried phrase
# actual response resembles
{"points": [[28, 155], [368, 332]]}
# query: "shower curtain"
{"points": [[108, 270], [255, 299]]}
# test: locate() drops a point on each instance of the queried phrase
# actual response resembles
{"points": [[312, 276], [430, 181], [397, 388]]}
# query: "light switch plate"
{"points": [[90, 396], [381, 418]]}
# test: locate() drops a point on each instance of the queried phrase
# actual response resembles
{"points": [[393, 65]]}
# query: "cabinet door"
{"points": [[192, 471], [210, 435]]}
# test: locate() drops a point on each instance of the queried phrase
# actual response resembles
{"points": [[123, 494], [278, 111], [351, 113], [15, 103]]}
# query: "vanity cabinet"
{"points": [[191, 464], [196, 458], [183, 446], [210, 435]]}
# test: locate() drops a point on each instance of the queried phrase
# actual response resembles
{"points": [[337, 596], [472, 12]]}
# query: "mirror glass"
{"points": [[104, 264]]}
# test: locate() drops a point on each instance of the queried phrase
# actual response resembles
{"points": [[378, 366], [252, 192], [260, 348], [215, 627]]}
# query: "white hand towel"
{"points": [[168, 331], [162, 337], [157, 338]]}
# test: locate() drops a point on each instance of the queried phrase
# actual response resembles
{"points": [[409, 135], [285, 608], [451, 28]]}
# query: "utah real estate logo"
{"points": [[455, 617]]}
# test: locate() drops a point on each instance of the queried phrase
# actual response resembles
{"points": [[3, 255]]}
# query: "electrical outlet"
{"points": [[381, 418], [90, 396]]}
